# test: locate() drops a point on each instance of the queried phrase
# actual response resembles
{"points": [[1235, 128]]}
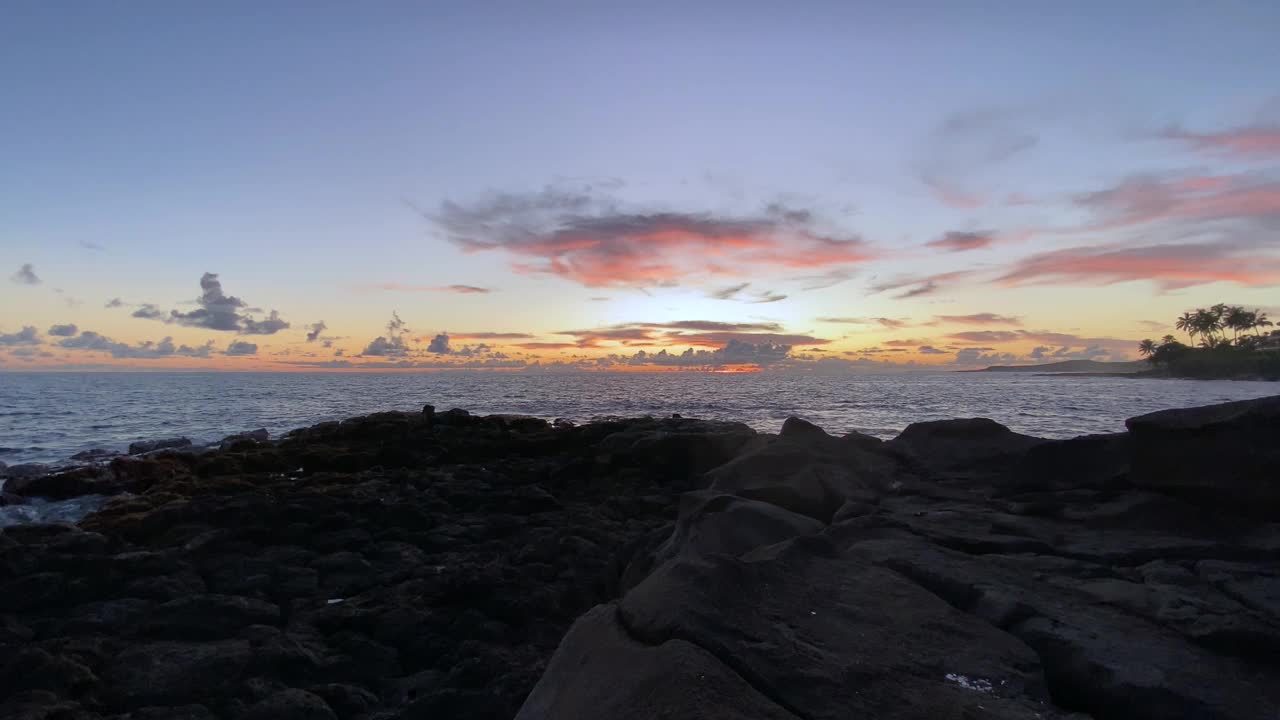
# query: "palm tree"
{"points": [[1207, 324], [1147, 348], [1187, 323], [1238, 319], [1260, 320]]}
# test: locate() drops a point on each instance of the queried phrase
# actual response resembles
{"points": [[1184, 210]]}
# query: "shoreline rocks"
{"points": [[440, 564]]}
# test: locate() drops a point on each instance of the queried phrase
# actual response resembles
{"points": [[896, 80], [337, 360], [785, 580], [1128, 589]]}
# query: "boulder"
{"points": [[806, 472], [291, 704], [1224, 455], [146, 446], [1111, 648], [714, 523], [25, 470], [827, 635], [599, 671], [95, 455], [681, 447], [208, 617], [245, 439], [89, 480], [165, 673], [963, 448]]}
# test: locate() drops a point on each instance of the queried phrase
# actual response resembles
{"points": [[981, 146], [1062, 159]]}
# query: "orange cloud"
{"points": [[979, 319]]}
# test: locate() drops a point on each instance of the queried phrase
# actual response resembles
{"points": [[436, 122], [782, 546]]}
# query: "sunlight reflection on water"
{"points": [[47, 416]]}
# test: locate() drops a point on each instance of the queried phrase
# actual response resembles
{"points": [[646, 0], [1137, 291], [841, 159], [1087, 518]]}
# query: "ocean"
{"points": [[47, 417]]}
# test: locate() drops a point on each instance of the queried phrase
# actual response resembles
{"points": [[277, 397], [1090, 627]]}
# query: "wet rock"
{"points": [[95, 455], [146, 446], [25, 471], [66, 484]]}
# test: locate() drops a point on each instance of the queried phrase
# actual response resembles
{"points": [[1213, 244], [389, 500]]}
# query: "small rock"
{"points": [[146, 446], [94, 455], [25, 470], [292, 704]]}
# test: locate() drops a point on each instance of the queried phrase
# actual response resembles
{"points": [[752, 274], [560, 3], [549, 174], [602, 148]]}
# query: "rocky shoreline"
{"points": [[405, 565]]}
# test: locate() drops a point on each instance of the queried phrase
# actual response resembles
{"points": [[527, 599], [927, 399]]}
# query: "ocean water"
{"points": [[47, 417]]}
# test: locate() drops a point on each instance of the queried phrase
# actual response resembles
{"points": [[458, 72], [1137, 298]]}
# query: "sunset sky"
{"points": [[799, 187]]}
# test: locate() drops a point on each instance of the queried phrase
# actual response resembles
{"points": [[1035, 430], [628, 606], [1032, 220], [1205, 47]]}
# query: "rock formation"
{"points": [[442, 565]]}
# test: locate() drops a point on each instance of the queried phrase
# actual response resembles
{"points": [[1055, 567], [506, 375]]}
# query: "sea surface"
{"points": [[47, 417]]}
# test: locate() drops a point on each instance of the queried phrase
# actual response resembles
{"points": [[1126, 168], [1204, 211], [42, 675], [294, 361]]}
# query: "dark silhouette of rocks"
{"points": [[444, 565]]}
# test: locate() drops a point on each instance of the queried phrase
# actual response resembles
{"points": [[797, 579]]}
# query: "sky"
{"points": [[803, 187]]}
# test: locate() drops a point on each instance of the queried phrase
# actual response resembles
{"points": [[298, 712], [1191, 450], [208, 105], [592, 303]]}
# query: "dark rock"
{"points": [[684, 447], [1221, 455], [65, 484], [95, 455], [795, 426], [629, 680], [146, 446], [162, 673], [1097, 659], [346, 700], [37, 669], [806, 472], [422, 572], [292, 704], [968, 447], [711, 523], [245, 440], [208, 617], [456, 417], [182, 712], [843, 645], [1088, 461], [24, 471]]}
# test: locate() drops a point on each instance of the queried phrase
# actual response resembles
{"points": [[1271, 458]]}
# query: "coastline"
{"points": [[448, 565]]}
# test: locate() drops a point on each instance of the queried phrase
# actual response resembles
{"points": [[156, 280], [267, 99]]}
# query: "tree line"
{"points": [[1210, 326]]}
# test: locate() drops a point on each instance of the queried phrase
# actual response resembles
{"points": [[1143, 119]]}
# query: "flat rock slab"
{"points": [[826, 635]]}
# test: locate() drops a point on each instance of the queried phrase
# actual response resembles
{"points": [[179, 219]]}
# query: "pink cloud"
{"points": [[1197, 198], [1245, 142], [1170, 266], [592, 243], [961, 241]]}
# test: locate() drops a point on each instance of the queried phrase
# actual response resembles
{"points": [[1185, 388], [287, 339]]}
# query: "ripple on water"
{"points": [[110, 410]]}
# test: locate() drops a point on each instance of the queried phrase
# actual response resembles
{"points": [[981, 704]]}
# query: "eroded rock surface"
{"points": [[376, 568], [442, 565], [958, 571]]}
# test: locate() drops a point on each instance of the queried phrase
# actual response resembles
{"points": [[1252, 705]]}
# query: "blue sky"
{"points": [[303, 153]]}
